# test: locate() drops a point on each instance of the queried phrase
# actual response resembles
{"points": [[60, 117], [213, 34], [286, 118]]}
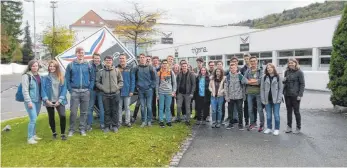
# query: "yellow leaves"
{"points": [[64, 39]]}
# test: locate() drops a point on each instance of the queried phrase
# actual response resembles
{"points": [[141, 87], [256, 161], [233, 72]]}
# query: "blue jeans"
{"points": [[217, 104], [250, 98], [95, 95], [126, 101], [275, 108], [165, 99], [146, 104], [33, 113]]}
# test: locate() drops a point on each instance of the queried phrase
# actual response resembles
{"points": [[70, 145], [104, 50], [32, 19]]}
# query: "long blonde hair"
{"points": [[297, 66], [57, 70]]}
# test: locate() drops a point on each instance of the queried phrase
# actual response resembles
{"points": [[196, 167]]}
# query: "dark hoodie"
{"points": [[294, 85]]}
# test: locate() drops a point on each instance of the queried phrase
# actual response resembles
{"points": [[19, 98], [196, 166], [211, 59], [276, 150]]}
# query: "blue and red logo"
{"points": [[93, 49]]}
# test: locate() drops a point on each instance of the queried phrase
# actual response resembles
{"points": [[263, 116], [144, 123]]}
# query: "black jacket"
{"points": [[294, 84], [190, 82]]}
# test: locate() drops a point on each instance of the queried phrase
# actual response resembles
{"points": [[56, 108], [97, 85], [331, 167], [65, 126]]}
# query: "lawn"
{"points": [[134, 146]]}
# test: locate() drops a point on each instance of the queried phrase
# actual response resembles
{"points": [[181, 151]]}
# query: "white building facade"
{"points": [[309, 42]]}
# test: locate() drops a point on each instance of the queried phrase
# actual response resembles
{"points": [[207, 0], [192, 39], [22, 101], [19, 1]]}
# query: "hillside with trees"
{"points": [[296, 15]]}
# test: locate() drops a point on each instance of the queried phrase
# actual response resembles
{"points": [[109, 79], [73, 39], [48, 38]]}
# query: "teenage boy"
{"points": [[127, 90], [80, 81], [110, 82]]}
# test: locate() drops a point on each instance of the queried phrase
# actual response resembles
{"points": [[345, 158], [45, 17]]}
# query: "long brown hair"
{"points": [[30, 64], [57, 70], [273, 67], [215, 74], [297, 66]]}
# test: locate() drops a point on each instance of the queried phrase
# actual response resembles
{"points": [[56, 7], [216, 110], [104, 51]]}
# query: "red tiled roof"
{"points": [[90, 19]]}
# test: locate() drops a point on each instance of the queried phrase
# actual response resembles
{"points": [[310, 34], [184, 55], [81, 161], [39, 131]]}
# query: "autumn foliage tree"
{"points": [[63, 40], [137, 25]]}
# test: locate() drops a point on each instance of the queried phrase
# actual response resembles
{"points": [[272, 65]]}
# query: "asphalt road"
{"points": [[322, 142]]}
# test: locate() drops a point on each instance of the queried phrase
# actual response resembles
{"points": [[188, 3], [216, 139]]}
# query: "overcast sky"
{"points": [[206, 12]]}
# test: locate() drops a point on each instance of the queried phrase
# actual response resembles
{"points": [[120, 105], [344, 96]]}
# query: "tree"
{"points": [[17, 55], [11, 20], [27, 47], [63, 40], [338, 64], [137, 25]]}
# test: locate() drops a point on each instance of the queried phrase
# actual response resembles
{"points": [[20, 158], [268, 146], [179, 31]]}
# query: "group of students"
{"points": [[112, 86]]}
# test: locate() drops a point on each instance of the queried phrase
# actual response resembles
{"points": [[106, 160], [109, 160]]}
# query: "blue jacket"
{"points": [[31, 91], [46, 90], [128, 80], [145, 77], [96, 68], [79, 76]]}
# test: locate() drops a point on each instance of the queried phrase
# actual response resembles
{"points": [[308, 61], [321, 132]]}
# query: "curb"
{"points": [[176, 158]]}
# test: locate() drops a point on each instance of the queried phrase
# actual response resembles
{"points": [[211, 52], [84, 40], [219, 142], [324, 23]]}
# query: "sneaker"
{"points": [[54, 136], [250, 127], [133, 120], [70, 134], [115, 129], [83, 133], [297, 131], [267, 131], [230, 126], [36, 138], [169, 124], [208, 118], [288, 130], [241, 127], [149, 124], [276, 132], [203, 122], [89, 128], [187, 123], [32, 141], [128, 125], [173, 119], [261, 128], [106, 130], [218, 125], [143, 124], [63, 137], [255, 125], [161, 124], [198, 122], [102, 126]]}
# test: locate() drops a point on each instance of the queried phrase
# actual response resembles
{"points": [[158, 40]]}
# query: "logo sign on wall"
{"points": [[167, 38], [244, 43], [196, 51], [176, 52], [103, 42]]}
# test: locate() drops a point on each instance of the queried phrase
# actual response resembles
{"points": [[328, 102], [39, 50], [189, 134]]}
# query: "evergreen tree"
{"points": [[11, 20], [27, 47], [338, 64]]}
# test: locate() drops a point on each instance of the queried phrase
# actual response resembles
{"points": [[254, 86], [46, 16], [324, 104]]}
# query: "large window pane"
{"points": [[229, 56], [326, 51], [239, 56], [324, 62], [219, 57], [265, 54], [305, 62], [282, 62], [307, 52], [255, 54], [285, 53]]}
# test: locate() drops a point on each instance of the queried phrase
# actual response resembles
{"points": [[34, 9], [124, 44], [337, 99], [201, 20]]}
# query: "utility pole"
{"points": [[53, 6]]}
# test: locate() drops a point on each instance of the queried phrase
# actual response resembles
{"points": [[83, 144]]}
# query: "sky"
{"points": [[203, 12]]}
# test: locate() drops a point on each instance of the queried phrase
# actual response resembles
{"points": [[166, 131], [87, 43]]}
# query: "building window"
{"points": [[91, 22], [282, 62], [307, 52], [239, 56], [325, 52], [255, 54], [325, 62], [305, 62], [101, 23], [265, 54], [82, 21], [285, 53]]}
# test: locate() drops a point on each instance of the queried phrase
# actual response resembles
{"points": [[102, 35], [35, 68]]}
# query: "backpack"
{"points": [[170, 76], [149, 69], [19, 93]]}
